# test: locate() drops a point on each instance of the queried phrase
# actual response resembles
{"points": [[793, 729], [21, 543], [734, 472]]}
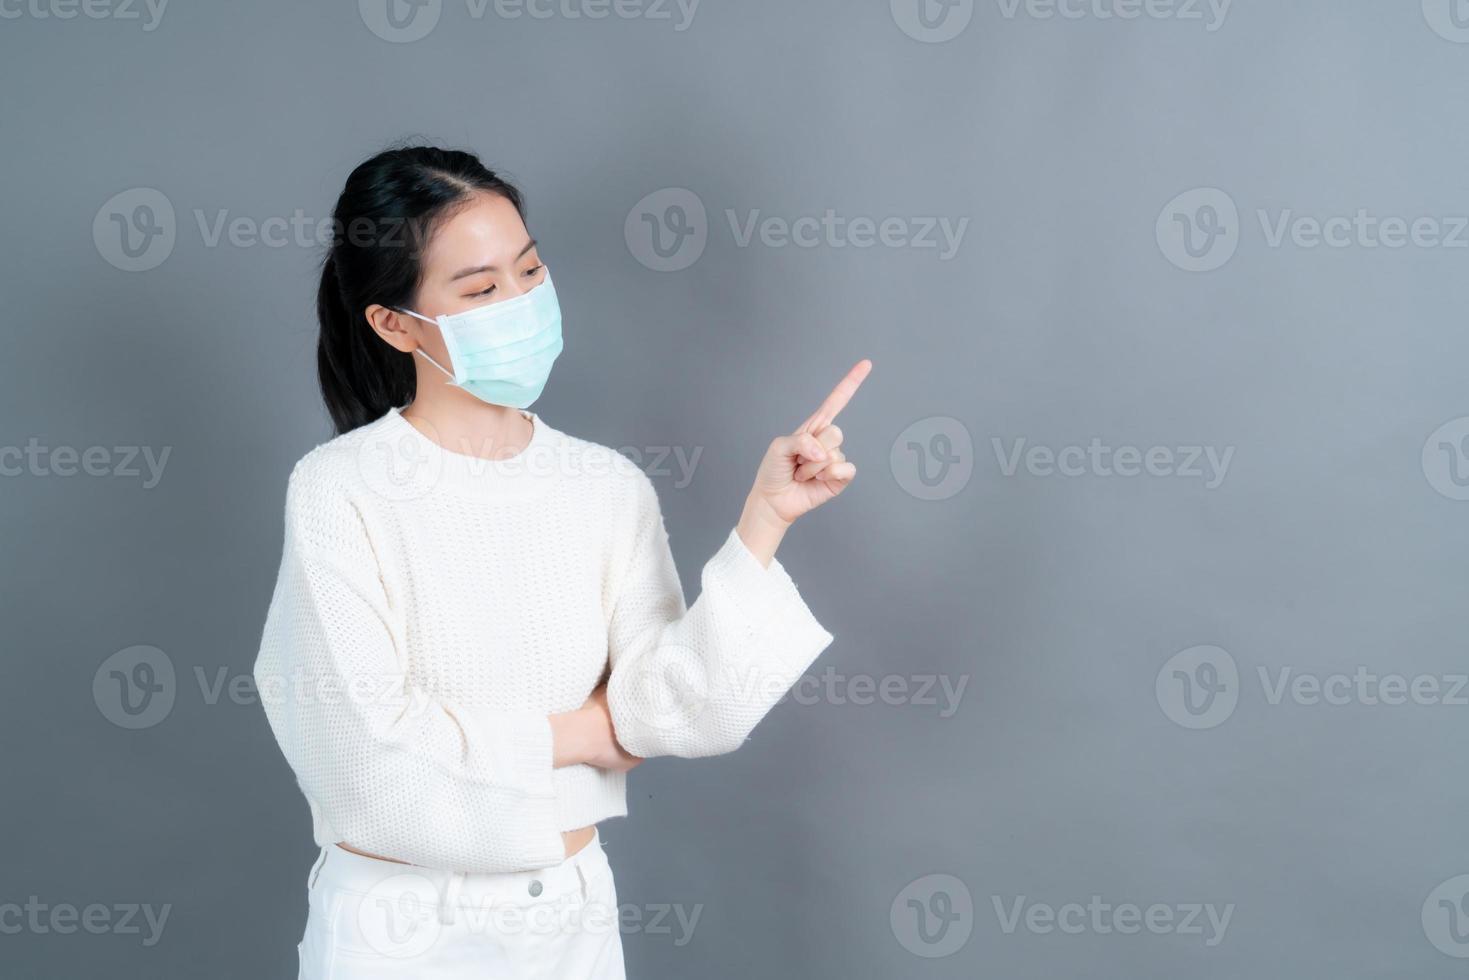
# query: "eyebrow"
{"points": [[490, 268]]}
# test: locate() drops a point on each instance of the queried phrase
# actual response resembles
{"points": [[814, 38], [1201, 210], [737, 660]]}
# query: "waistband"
{"points": [[345, 871]]}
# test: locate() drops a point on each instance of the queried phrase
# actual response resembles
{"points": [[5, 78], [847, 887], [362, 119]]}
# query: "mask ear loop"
{"points": [[420, 350]]}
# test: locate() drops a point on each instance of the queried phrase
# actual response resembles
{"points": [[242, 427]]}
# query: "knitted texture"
{"points": [[433, 608]]}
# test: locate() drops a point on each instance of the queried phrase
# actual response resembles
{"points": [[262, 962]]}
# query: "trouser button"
{"points": [[535, 889]]}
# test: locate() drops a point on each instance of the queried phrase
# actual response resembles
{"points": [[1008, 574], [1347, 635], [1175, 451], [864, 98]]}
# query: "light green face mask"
{"points": [[502, 352]]}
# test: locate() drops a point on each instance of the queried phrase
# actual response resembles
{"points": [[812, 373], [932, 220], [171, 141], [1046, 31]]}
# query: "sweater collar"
{"points": [[420, 464]]}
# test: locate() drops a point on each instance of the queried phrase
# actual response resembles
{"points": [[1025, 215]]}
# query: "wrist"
{"points": [[572, 738], [761, 528]]}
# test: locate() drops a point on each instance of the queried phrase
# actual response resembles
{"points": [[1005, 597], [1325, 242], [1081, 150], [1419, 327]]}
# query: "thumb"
{"points": [[802, 444]]}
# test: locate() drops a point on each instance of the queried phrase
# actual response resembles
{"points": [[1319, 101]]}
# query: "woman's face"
{"points": [[481, 254]]}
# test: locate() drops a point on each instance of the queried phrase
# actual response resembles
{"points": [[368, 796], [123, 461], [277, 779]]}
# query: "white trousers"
{"points": [[371, 919]]}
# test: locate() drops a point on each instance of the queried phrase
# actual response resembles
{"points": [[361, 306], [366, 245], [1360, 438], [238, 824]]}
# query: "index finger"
{"points": [[837, 400]]}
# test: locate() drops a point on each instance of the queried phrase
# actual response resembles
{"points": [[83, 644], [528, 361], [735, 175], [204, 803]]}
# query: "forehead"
{"points": [[486, 229]]}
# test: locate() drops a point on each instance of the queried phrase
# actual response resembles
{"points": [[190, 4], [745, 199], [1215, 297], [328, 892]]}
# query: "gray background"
{"points": [[1331, 544]]}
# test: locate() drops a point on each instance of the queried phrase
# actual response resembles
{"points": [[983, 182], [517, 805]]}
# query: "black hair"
{"points": [[382, 222]]}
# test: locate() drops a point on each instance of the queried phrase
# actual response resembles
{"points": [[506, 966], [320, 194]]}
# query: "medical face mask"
{"points": [[502, 352]]}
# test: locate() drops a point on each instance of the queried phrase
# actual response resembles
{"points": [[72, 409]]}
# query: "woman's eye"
{"points": [[530, 273]]}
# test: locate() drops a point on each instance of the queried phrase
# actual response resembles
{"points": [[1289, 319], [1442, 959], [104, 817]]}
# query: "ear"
{"points": [[399, 330]]}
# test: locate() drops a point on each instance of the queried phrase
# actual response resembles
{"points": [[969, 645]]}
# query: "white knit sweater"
{"points": [[433, 608]]}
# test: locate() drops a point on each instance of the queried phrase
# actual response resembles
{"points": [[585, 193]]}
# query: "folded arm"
{"points": [[695, 681], [394, 770]]}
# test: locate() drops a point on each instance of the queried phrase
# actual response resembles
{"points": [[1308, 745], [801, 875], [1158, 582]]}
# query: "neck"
{"points": [[462, 423]]}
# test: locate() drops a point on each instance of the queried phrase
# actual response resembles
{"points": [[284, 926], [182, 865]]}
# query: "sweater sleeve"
{"points": [[695, 681], [392, 769]]}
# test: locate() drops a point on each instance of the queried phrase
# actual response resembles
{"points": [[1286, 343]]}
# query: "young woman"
{"points": [[477, 627]]}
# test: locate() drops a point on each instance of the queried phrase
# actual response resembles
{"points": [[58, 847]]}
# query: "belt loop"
{"points": [[583, 879], [316, 869], [450, 897]]}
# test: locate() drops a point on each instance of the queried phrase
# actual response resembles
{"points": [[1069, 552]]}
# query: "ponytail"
{"points": [[397, 197], [361, 377]]}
